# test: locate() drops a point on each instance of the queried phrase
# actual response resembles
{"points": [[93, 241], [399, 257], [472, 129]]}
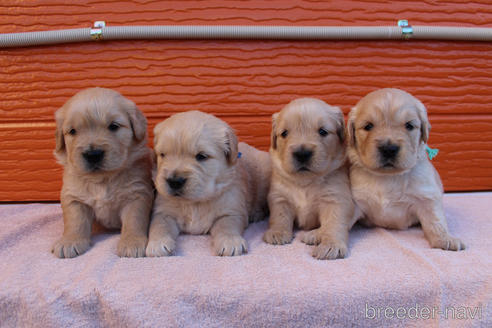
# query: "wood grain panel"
{"points": [[29, 171], [52, 14], [245, 78], [465, 151], [242, 81]]}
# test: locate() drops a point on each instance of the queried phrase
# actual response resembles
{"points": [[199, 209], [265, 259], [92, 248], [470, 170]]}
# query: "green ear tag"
{"points": [[431, 152]]}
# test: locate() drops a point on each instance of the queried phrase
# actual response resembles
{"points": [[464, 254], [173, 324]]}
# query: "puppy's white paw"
{"points": [[311, 237], [330, 251], [277, 237], [448, 243], [161, 247], [132, 246], [230, 245], [70, 247]]}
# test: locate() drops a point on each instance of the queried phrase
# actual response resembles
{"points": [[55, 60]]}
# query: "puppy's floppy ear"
{"points": [[424, 121], [231, 146], [273, 142], [351, 127], [340, 125], [157, 132], [60, 148], [137, 119]]}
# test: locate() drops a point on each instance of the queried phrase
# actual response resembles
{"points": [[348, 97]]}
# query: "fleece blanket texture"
{"points": [[390, 278]]}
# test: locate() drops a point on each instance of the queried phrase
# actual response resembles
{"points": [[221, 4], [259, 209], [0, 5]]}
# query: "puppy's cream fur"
{"points": [[221, 190], [117, 192], [315, 195], [400, 193]]}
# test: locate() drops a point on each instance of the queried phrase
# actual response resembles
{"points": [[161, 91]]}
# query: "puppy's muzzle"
{"points": [[176, 183], [93, 157], [388, 152], [302, 155]]}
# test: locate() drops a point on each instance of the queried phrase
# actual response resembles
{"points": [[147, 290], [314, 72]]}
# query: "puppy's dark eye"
{"points": [[201, 157], [322, 132], [409, 126], [368, 126], [113, 126], [72, 132], [284, 134], [161, 155]]}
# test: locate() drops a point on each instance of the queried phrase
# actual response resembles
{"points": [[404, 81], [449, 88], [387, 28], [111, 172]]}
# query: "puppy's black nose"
{"points": [[176, 183], [93, 156], [303, 155], [389, 150]]}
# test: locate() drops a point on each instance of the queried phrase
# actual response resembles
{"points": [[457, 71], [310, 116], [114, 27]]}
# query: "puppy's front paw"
{"points": [[311, 237], [70, 247], [160, 247], [230, 245], [277, 237], [132, 246], [448, 243], [330, 250]]}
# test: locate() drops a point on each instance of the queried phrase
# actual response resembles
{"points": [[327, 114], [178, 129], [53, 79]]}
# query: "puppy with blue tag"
{"points": [[393, 182], [206, 183]]}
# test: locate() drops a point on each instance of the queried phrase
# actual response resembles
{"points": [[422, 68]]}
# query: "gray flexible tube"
{"points": [[246, 32]]}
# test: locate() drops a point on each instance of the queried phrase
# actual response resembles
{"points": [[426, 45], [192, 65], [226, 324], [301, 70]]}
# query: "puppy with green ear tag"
{"points": [[101, 140], [310, 185], [206, 183], [393, 182]]}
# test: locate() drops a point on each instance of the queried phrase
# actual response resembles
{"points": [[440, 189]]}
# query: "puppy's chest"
{"points": [[104, 202], [305, 207], [384, 205], [196, 219]]}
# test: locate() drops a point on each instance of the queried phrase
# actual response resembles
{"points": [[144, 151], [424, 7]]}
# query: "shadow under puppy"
{"points": [[393, 183], [203, 186], [310, 185], [101, 140]]}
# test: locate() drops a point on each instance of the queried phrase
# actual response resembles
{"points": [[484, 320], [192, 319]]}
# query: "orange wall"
{"points": [[243, 82]]}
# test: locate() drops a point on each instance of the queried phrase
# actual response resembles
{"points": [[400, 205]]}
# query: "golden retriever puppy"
{"points": [[393, 183], [203, 186], [310, 185], [101, 140]]}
